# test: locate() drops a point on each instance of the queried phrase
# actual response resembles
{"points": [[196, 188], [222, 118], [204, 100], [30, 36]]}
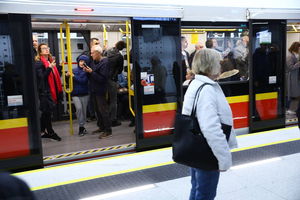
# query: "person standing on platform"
{"points": [[212, 110], [293, 77]]}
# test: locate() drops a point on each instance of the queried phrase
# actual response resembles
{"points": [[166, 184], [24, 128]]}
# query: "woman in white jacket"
{"points": [[212, 110]]}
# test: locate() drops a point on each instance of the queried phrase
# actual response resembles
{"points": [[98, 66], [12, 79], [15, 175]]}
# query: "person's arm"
{"points": [[291, 64], [100, 74], [210, 125]]}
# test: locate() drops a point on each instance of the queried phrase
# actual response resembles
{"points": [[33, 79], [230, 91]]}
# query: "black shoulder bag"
{"points": [[189, 145]]}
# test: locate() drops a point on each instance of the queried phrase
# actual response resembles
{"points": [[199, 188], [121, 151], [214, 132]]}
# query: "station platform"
{"points": [[265, 166]]}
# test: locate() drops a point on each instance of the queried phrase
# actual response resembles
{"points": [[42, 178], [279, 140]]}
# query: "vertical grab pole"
{"points": [[130, 92], [105, 39], [70, 69]]}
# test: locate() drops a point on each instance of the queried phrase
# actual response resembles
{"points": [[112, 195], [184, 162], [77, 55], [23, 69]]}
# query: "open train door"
{"points": [[267, 74], [156, 63]]}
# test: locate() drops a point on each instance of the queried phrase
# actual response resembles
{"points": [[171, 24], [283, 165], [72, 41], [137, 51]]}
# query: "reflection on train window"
{"points": [[11, 87], [232, 45]]}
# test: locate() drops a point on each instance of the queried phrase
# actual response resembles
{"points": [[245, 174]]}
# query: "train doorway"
{"points": [[108, 32]]}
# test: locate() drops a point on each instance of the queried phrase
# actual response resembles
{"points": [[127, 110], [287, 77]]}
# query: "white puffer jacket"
{"points": [[212, 110]]}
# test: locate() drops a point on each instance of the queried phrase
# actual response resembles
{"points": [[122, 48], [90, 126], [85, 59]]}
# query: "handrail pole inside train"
{"points": [[70, 89], [130, 91], [105, 39], [70, 69]]}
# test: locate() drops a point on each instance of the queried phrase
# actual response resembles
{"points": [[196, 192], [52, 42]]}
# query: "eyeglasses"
{"points": [[45, 48]]}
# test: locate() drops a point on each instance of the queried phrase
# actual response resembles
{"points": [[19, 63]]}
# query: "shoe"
{"points": [[115, 123], [289, 112], [82, 131], [132, 124], [105, 135], [54, 136], [46, 135], [99, 130]]}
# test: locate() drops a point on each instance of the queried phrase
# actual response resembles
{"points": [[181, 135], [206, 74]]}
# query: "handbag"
{"points": [[190, 147]]}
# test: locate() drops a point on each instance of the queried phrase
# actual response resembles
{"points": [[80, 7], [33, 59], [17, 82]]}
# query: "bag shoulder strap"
{"points": [[194, 108]]}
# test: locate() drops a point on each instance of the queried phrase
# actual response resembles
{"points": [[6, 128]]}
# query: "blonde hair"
{"points": [[206, 62]]}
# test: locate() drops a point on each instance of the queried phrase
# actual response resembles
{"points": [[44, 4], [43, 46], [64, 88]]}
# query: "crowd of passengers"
{"points": [[99, 87], [234, 59]]}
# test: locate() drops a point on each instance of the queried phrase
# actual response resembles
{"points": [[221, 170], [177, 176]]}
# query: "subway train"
{"points": [[252, 42]]}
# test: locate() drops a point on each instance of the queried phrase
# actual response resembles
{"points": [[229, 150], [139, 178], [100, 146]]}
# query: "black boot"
{"points": [[54, 136], [82, 131]]}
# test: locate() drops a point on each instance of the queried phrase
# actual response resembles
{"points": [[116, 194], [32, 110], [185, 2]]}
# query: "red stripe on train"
{"points": [[14, 142]]}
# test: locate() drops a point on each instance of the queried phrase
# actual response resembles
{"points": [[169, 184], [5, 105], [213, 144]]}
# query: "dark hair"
{"points": [[92, 39], [294, 47], [120, 45], [209, 43]]}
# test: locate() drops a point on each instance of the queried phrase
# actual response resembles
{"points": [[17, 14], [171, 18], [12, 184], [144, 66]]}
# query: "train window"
{"points": [[232, 45], [11, 90]]}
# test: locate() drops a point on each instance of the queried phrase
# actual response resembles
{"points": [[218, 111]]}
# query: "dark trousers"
{"points": [[46, 123], [102, 111], [113, 99]]}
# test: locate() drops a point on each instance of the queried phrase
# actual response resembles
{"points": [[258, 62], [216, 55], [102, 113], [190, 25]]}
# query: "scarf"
{"points": [[53, 79]]}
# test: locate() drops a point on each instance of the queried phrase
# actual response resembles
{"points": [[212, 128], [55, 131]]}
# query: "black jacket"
{"points": [[46, 102], [98, 79], [115, 62]]}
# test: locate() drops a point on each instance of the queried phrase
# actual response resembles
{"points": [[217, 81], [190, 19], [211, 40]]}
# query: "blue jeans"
{"points": [[204, 184]]}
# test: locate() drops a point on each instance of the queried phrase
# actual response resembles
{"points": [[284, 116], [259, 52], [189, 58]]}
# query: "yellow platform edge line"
{"points": [[264, 145], [13, 123], [263, 132], [90, 161], [146, 167], [101, 176], [121, 156]]}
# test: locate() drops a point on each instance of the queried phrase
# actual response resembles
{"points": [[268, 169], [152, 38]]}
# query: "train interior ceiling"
{"points": [[47, 31]]}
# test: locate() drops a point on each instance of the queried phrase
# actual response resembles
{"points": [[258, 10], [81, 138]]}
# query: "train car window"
{"points": [[232, 45], [11, 90]]}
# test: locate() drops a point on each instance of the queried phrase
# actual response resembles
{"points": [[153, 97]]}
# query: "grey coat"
{"points": [[293, 78]]}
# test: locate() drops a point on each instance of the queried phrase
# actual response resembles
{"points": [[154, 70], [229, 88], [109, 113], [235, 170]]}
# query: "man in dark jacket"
{"points": [[98, 75], [116, 63]]}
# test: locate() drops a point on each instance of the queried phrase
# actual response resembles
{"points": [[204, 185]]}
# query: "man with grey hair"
{"points": [[98, 75]]}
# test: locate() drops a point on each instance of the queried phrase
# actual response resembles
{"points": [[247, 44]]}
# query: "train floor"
{"points": [[265, 167], [122, 134]]}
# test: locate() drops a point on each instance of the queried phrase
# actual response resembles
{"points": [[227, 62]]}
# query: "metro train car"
{"points": [[252, 41]]}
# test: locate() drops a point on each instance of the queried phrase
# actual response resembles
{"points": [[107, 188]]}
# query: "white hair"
{"points": [[207, 62], [97, 48]]}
